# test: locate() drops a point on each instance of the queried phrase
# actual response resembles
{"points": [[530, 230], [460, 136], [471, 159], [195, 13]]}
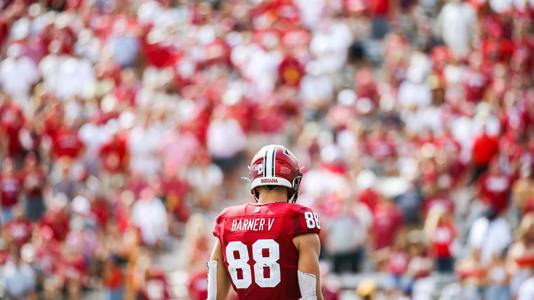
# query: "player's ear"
{"points": [[255, 194]]}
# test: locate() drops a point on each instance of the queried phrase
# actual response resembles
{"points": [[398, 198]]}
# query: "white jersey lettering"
{"points": [[270, 225]]}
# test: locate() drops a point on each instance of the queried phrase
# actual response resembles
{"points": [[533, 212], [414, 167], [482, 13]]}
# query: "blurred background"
{"points": [[126, 126]]}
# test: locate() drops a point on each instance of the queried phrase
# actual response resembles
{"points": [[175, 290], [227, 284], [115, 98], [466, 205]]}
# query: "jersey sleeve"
{"points": [[305, 221]]}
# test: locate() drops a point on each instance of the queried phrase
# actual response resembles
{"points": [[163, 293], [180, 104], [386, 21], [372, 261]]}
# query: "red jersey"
{"points": [[495, 191], [442, 239], [114, 155], [258, 250], [156, 286], [67, 143], [10, 190], [197, 286], [485, 147], [19, 231]]}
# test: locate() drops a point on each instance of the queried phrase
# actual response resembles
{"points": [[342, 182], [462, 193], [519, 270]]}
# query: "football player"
{"points": [[268, 249]]}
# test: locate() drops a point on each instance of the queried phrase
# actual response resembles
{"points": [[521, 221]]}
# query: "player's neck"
{"points": [[272, 197]]}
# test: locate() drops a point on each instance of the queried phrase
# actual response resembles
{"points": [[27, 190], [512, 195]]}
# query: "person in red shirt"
{"points": [[440, 198], [12, 122], [397, 260], [101, 210], [19, 230], [52, 116], [370, 197], [10, 190], [268, 249], [441, 235], [197, 286], [156, 285], [290, 71], [114, 155], [67, 143], [114, 279], [367, 88], [494, 188], [485, 147], [56, 220], [388, 220], [174, 191], [34, 182], [476, 79]]}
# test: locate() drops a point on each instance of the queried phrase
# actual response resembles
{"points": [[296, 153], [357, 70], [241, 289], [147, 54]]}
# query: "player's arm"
{"points": [[309, 248], [218, 279]]}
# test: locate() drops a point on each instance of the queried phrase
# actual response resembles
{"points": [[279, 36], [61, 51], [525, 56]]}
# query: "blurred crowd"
{"points": [[126, 125]]}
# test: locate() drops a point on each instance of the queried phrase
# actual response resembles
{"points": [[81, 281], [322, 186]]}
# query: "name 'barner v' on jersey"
{"points": [[257, 245]]}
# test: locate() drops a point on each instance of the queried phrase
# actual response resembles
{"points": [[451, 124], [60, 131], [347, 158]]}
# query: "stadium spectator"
{"points": [[441, 232], [491, 235], [387, 223], [346, 234], [35, 183], [150, 217], [495, 188], [520, 256], [485, 147], [458, 27], [18, 277], [205, 179], [10, 189], [497, 285], [18, 73], [523, 191]]}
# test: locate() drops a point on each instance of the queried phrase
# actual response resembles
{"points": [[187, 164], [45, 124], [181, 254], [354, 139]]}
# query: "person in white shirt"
{"points": [[77, 71], [311, 11], [329, 46], [226, 140], [346, 235], [143, 143], [258, 65], [491, 234], [18, 277], [18, 74], [414, 91], [457, 26], [316, 90], [205, 179], [150, 216], [526, 291]]}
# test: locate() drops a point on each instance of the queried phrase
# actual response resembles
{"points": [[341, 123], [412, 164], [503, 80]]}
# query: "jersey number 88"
{"points": [[240, 262]]}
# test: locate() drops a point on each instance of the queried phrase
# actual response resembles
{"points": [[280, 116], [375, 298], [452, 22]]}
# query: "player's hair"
{"points": [[270, 188]]}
